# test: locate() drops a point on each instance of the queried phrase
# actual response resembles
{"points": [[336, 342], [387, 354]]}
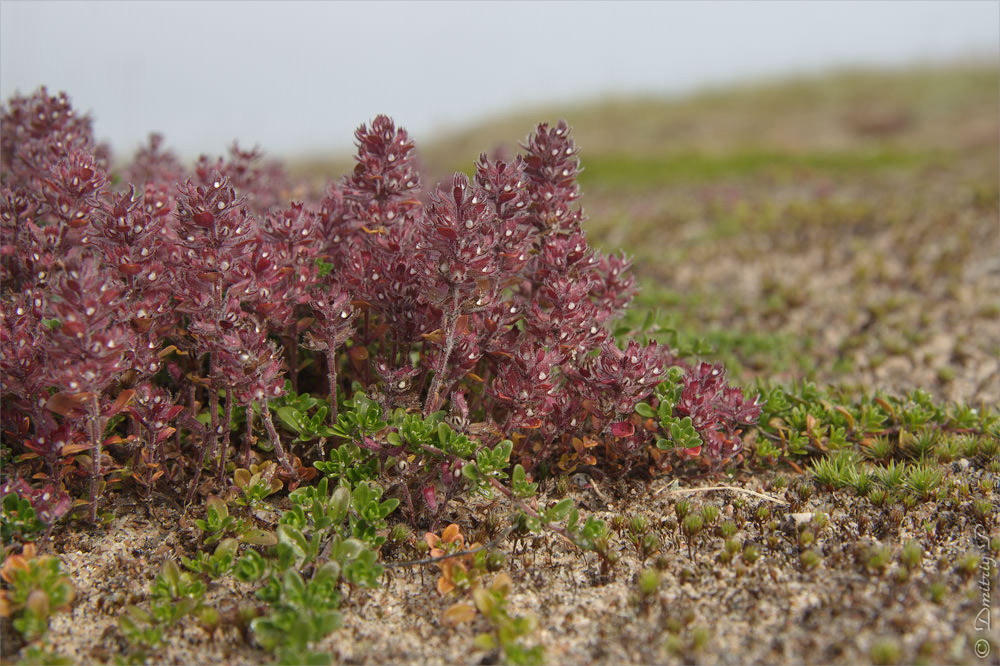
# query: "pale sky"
{"points": [[296, 77]]}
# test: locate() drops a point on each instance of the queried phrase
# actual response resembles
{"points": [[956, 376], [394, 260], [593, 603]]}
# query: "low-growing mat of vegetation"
{"points": [[835, 242]]}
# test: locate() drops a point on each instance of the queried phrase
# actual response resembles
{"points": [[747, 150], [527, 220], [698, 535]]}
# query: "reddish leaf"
{"points": [[430, 497], [64, 403], [622, 429], [121, 402]]}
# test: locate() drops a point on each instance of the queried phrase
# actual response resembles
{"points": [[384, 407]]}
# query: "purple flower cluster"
{"points": [[718, 411], [179, 299]]}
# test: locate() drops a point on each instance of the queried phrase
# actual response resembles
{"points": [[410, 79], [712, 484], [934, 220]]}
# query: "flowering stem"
{"points": [[95, 445], [248, 438], [331, 374], [208, 442], [292, 343], [276, 440], [226, 431], [450, 321]]}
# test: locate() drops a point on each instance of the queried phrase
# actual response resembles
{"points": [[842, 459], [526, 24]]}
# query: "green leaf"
{"points": [[294, 586], [485, 641], [645, 411], [250, 567], [293, 537], [258, 537], [560, 510], [348, 549], [291, 418]]}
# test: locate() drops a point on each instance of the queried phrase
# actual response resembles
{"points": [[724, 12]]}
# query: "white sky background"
{"points": [[298, 78]]}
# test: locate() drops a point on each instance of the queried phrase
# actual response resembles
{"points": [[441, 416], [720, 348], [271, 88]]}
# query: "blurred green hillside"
{"points": [[840, 228]]}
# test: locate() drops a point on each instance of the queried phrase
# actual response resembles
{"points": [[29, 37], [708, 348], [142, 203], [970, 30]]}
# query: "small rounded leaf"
{"points": [[259, 537], [458, 613]]}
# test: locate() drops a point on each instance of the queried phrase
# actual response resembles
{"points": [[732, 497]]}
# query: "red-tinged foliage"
{"points": [[150, 315]]}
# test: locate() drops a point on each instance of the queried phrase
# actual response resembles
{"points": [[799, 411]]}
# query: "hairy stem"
{"points": [[209, 441], [95, 445], [450, 321], [276, 440], [331, 374], [226, 432], [248, 438], [292, 343]]}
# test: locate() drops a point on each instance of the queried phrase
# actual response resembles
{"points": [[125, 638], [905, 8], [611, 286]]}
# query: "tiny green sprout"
{"points": [[809, 559], [891, 475], [495, 560], [208, 617], [880, 448], [619, 522], [968, 564], [638, 524], [562, 485], [699, 637], [984, 511], [919, 446], [647, 545], [806, 538], [820, 521], [673, 644], [861, 481], [751, 553], [682, 509], [877, 496], [649, 581], [732, 545], [878, 559], [693, 524], [779, 482], [834, 471], [936, 591], [969, 446], [923, 480], [762, 513], [909, 501], [803, 491], [897, 513], [727, 529], [245, 614], [885, 651], [710, 513], [995, 545], [400, 533], [40, 654], [911, 554], [947, 449], [946, 374]]}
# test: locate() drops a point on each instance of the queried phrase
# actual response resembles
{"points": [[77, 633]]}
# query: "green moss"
{"points": [[632, 171]]}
